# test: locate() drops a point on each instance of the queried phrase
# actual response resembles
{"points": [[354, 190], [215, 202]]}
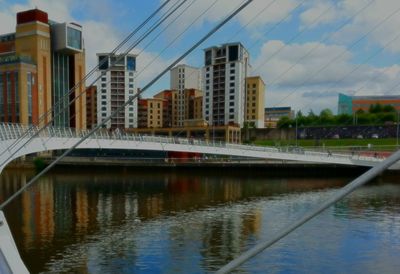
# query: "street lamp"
{"points": [[397, 131], [296, 128]]}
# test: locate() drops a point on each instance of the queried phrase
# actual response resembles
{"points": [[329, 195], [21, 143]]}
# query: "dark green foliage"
{"points": [[39, 164]]}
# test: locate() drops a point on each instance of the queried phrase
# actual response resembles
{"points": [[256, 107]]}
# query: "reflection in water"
{"points": [[170, 222]]}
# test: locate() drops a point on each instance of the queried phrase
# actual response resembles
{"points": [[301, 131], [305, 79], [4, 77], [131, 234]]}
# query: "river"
{"points": [[194, 221]]}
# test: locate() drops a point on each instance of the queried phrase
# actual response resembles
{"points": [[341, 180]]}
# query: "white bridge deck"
{"points": [[63, 138]]}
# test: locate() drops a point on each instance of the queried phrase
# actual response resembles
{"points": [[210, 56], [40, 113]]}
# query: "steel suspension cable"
{"points": [[340, 194], [324, 67], [155, 26], [346, 75], [134, 32], [197, 44]]}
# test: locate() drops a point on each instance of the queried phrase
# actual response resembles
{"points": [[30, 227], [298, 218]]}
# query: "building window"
{"points": [[104, 108], [232, 65], [74, 38], [30, 85], [231, 91], [231, 84], [232, 71], [232, 97], [232, 78], [130, 63]]}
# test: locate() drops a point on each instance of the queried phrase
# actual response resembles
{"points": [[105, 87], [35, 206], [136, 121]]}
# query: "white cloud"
{"points": [[381, 18], [7, 22], [99, 36], [319, 12], [327, 69], [260, 12]]}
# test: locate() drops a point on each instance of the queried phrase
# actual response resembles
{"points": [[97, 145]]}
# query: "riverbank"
{"points": [[231, 165]]}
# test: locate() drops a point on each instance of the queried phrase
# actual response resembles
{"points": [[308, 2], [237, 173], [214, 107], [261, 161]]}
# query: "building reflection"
{"points": [[65, 208]]}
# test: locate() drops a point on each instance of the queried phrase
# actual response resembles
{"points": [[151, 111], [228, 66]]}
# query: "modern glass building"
{"points": [[345, 104], [39, 64]]}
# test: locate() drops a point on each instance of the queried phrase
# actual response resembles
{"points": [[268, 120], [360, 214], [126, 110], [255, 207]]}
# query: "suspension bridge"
{"points": [[63, 138]]}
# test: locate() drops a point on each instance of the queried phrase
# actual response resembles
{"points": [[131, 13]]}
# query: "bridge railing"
{"points": [[15, 131]]}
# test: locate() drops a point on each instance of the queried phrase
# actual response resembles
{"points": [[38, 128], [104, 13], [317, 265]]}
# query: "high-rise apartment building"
{"points": [[183, 78], [255, 105], [224, 73], [39, 64], [115, 87]]}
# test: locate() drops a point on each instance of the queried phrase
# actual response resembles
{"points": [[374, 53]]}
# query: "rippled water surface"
{"points": [[195, 221]]}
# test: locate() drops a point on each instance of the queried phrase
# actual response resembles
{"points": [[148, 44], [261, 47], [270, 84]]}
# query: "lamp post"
{"points": [[296, 128], [397, 130]]}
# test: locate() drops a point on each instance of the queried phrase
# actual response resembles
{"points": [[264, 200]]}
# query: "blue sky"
{"points": [[305, 50]]}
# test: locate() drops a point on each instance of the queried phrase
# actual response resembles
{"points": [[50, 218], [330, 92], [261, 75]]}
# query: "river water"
{"points": [[151, 221]]}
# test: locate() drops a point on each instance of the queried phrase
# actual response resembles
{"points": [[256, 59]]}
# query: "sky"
{"points": [[306, 51]]}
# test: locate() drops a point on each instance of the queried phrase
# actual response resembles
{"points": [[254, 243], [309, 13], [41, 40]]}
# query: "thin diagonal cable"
{"points": [[174, 40], [91, 72], [177, 37], [343, 192], [296, 36], [215, 29], [338, 56], [37, 131], [348, 74], [315, 47], [268, 31]]}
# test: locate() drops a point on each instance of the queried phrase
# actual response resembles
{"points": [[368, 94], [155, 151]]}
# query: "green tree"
{"points": [[388, 108], [284, 122], [343, 119], [326, 117], [375, 108]]}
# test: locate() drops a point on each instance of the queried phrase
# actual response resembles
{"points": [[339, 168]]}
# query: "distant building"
{"points": [[224, 73], [114, 89], [39, 64], [151, 112], [351, 104], [183, 78], [274, 114], [170, 109], [345, 104], [255, 94], [91, 106]]}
